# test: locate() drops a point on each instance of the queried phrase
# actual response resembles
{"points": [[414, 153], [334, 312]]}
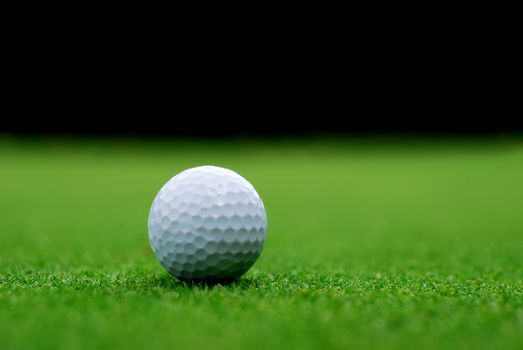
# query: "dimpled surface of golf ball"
{"points": [[207, 223]]}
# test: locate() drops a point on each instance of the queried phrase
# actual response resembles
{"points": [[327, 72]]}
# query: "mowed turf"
{"points": [[371, 244]]}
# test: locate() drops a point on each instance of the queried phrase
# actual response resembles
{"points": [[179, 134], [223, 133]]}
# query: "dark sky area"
{"points": [[363, 97], [405, 84]]}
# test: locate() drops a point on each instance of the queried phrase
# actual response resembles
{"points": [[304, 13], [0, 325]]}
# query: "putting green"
{"points": [[371, 244]]}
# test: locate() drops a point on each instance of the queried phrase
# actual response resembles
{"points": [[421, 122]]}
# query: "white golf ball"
{"points": [[207, 223]]}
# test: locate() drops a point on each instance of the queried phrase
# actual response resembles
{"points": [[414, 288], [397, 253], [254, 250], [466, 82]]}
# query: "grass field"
{"points": [[371, 244]]}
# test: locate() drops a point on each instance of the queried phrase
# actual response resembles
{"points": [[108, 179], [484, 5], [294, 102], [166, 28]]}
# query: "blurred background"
{"points": [[353, 181]]}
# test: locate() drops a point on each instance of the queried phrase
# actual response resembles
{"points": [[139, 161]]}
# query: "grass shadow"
{"points": [[166, 281]]}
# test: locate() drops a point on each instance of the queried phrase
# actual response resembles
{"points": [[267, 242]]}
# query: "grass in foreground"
{"points": [[381, 245]]}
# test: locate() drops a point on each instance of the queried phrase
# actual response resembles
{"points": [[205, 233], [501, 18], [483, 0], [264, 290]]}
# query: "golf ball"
{"points": [[207, 223]]}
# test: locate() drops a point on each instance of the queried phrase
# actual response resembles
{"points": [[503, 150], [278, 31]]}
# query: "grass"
{"points": [[371, 244]]}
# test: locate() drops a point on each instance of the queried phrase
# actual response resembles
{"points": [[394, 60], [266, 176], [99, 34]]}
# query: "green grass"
{"points": [[371, 244]]}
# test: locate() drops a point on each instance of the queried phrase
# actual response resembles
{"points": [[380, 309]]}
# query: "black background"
{"points": [[327, 85]]}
